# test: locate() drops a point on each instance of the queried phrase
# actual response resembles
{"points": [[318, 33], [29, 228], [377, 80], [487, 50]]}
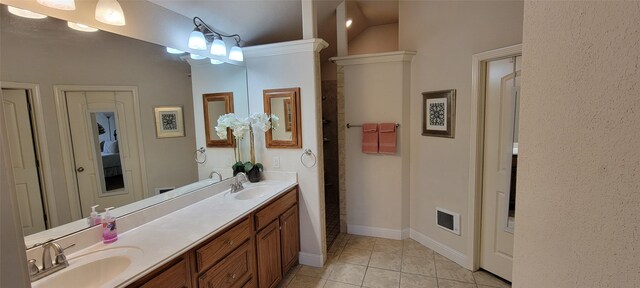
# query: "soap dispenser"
{"points": [[94, 217], [109, 229]]}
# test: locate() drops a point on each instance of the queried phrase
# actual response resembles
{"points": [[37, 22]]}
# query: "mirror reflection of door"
{"points": [[106, 155], [279, 108], [287, 115], [216, 105], [15, 103]]}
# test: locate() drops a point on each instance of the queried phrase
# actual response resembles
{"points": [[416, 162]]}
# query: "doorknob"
{"points": [[80, 169]]}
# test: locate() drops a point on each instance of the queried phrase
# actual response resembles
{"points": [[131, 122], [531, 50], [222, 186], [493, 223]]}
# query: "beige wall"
{"points": [[287, 65], [377, 185], [375, 39], [578, 209], [445, 35], [68, 57], [208, 78]]}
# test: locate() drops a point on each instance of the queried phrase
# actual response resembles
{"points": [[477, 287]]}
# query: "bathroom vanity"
{"points": [[250, 238], [256, 251]]}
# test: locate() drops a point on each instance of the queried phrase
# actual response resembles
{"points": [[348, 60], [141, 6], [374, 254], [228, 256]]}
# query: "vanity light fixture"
{"points": [[81, 27], [349, 22], [218, 48], [59, 4], [216, 62], [110, 12], [202, 34], [197, 57], [25, 13], [174, 51]]}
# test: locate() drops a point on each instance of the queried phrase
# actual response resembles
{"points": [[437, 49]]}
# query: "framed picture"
{"points": [[439, 113], [169, 121]]}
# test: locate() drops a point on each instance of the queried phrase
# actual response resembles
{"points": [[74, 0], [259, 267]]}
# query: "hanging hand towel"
{"points": [[388, 138], [370, 138]]}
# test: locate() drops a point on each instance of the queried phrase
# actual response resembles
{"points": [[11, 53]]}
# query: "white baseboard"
{"points": [[309, 259], [444, 250], [378, 232]]}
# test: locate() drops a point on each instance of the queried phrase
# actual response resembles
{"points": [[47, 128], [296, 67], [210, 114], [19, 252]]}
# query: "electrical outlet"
{"points": [[276, 162]]}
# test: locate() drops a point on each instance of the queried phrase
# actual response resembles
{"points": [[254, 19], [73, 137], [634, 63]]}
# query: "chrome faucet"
{"points": [[236, 186], [49, 266], [216, 173]]}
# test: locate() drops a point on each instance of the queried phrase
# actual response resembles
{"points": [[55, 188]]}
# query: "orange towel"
{"points": [[388, 138], [370, 138]]}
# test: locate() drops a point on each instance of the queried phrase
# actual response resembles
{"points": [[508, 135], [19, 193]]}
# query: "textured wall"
{"points": [[446, 34], [578, 215]]}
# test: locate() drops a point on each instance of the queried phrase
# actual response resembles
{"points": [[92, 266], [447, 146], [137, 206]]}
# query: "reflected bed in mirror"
{"points": [[81, 144], [285, 105]]}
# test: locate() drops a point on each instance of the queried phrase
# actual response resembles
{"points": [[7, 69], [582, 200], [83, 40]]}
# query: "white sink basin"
{"points": [[93, 269], [252, 192]]}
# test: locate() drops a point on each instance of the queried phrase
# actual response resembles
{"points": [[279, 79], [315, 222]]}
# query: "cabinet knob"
{"points": [[232, 275], [80, 169], [229, 242]]}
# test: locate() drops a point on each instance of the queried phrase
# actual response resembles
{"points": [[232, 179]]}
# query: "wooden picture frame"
{"points": [[211, 121], [169, 121], [439, 113], [292, 95]]}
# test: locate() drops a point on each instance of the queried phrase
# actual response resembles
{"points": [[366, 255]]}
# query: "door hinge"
{"points": [[37, 163]]}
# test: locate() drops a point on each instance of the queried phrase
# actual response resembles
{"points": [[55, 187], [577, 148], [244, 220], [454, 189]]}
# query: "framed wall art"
{"points": [[169, 121], [439, 113]]}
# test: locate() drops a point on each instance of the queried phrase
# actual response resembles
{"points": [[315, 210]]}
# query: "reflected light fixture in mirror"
{"points": [[110, 12], [81, 27], [59, 4], [25, 13], [174, 51], [196, 57], [236, 54]]}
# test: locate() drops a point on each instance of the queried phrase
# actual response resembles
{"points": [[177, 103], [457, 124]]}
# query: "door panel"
{"points": [[502, 82], [268, 250], [90, 167], [290, 237], [23, 159]]}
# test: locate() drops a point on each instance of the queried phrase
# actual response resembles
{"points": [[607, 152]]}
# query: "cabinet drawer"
{"points": [[232, 271], [217, 248], [276, 208], [175, 276]]}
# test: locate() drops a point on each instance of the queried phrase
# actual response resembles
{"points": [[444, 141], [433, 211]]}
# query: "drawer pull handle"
{"points": [[229, 242], [232, 276]]}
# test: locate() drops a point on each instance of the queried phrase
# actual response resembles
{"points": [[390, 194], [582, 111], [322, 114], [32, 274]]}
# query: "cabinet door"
{"points": [[232, 272], [173, 276], [290, 237], [268, 250]]}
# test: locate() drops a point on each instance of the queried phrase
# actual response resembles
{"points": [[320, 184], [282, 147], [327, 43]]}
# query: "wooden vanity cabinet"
{"points": [[255, 251], [277, 243]]}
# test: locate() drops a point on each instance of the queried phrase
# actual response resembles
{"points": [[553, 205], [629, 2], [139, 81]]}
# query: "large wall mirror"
{"points": [[90, 137], [216, 105], [284, 104]]}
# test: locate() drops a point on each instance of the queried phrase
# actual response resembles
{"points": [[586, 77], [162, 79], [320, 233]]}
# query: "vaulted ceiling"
{"points": [[269, 21]]}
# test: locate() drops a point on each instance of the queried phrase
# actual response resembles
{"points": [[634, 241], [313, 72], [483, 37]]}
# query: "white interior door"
{"points": [[98, 165], [23, 159], [502, 86]]}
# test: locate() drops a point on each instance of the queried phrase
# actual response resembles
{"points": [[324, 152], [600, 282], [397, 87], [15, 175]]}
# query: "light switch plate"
{"points": [[276, 162]]}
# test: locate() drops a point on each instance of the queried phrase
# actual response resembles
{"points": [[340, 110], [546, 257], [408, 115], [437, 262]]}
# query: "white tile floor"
{"points": [[360, 261]]}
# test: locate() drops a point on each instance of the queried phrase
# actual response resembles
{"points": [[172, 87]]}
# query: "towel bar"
{"points": [[349, 125]]}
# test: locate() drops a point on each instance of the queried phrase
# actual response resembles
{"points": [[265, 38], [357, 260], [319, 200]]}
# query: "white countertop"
{"points": [[173, 234]]}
